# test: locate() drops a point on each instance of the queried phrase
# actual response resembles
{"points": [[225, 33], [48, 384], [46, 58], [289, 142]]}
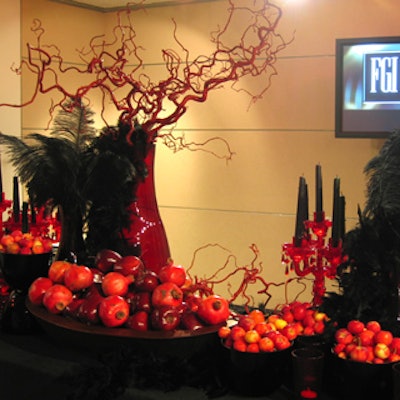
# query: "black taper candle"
{"points": [[318, 193], [33, 212], [302, 209], [16, 208], [25, 223], [336, 215], [342, 232]]}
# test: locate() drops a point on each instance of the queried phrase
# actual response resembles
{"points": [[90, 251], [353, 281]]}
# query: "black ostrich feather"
{"points": [[368, 279], [113, 170], [49, 165], [51, 168], [383, 187], [91, 178]]}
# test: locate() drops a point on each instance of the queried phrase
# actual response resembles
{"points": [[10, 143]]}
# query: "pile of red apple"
{"points": [[121, 292], [255, 333], [367, 343], [305, 319], [17, 242]]}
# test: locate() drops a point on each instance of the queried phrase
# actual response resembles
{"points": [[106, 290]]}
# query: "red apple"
{"points": [[355, 327], [290, 332], [394, 357], [373, 326], [383, 336], [253, 348], [299, 311], [382, 351], [246, 322], [237, 332], [366, 337], [240, 345], [129, 265], [105, 259], [395, 345], [252, 336], [359, 353], [342, 335], [339, 348], [281, 342], [288, 316], [266, 345], [319, 327]]}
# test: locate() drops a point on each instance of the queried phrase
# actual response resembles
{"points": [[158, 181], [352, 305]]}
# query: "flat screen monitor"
{"points": [[367, 87]]}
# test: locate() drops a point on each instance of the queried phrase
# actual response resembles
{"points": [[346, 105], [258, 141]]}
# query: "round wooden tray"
{"points": [[100, 338]]}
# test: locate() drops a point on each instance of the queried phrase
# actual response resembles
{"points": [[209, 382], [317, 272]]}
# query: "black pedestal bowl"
{"points": [[256, 374], [20, 270]]}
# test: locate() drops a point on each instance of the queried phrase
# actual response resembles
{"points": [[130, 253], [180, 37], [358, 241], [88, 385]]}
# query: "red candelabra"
{"points": [[311, 252], [4, 205]]}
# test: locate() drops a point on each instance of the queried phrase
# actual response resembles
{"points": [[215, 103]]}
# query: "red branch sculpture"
{"points": [[115, 69], [107, 67], [247, 274]]}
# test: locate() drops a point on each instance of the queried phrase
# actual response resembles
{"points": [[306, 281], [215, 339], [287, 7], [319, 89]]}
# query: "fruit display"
{"points": [[366, 343], [118, 291], [17, 242], [255, 333], [303, 318]]}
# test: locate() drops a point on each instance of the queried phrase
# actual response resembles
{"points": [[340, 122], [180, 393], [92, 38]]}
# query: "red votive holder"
{"points": [[308, 366]]}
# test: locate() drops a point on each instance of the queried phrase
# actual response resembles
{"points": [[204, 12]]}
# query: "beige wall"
{"points": [[10, 88], [252, 198]]}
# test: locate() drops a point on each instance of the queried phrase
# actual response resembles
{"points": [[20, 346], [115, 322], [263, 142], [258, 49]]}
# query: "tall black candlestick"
{"points": [[318, 193], [302, 211], [306, 213], [16, 200], [336, 215], [25, 223], [33, 213], [342, 217]]}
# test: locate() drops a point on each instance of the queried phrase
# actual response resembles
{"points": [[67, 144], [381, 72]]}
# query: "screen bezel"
{"points": [[341, 46]]}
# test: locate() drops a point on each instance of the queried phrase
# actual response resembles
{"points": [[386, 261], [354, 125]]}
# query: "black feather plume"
{"points": [[368, 280]]}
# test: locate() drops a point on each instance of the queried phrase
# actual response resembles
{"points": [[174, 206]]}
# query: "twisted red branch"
{"points": [[114, 67]]}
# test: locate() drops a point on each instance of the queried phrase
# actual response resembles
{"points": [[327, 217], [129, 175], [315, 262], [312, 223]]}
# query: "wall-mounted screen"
{"points": [[367, 87]]}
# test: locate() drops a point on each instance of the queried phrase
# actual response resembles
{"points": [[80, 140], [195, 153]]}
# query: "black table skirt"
{"points": [[34, 365]]}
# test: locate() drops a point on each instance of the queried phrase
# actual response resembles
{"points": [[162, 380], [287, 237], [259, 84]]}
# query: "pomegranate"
{"points": [[214, 310], [167, 294], [38, 288], [115, 283], [78, 277], [113, 311], [57, 270], [172, 273], [56, 298]]}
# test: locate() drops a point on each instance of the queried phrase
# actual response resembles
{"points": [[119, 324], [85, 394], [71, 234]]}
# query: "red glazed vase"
{"points": [[146, 233]]}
